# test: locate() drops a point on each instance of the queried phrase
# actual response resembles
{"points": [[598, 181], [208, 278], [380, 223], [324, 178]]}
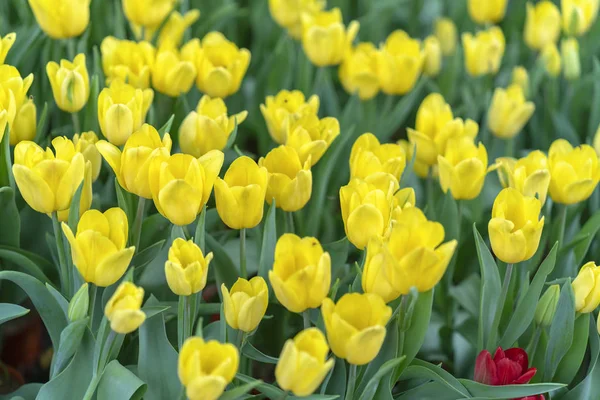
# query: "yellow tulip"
{"points": [[358, 71], [368, 156], [514, 229], [85, 143], [542, 25], [220, 64], [98, 247], [206, 368], [399, 63], [487, 11], [551, 59], [433, 56], [283, 112], [149, 14], [529, 175], [131, 165], [357, 340], [287, 13], [574, 172], [312, 137], [290, 182], [186, 268], [403, 199], [412, 256], [301, 274], [128, 61], [587, 288], [85, 202], [122, 109], [171, 75], [123, 309], [25, 124], [509, 111], [181, 184], [13, 96], [246, 303], [209, 127], [520, 77], [240, 195], [172, 33], [47, 181], [303, 362], [578, 15], [6, 43], [569, 49], [445, 31], [484, 51], [463, 168], [325, 39], [420, 168], [70, 83], [61, 21]]}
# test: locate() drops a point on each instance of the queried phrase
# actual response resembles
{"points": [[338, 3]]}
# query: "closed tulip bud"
{"points": [[171, 75], [70, 83], [313, 136], [546, 307], [220, 64], [186, 268], [303, 363], [181, 184], [569, 49], [209, 127], [368, 156], [122, 110], [515, 228], [287, 13], [420, 168], [240, 195], [85, 144], [245, 305], [542, 25], [6, 43], [433, 56], [551, 59], [487, 11], [206, 368], [445, 31], [358, 72], [172, 33], [147, 14], [48, 180], [529, 175], [399, 63], [578, 15], [574, 172], [61, 21], [13, 96], [98, 247], [131, 165], [509, 112], [85, 202], [79, 304], [586, 287], [301, 274], [290, 182], [283, 112], [520, 77], [25, 124], [123, 309], [358, 342], [127, 61], [484, 51]]}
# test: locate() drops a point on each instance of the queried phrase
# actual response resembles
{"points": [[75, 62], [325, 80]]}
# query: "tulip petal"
{"points": [[127, 321], [112, 268], [34, 189], [364, 346], [180, 202]]}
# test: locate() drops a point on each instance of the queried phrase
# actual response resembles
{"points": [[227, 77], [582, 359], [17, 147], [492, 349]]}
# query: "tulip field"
{"points": [[287, 199]]}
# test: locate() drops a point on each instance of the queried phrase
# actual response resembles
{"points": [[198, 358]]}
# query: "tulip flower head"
{"points": [[507, 367], [172, 75], [70, 83], [569, 49], [25, 123], [62, 21], [520, 77], [85, 143], [368, 156], [399, 63], [85, 202], [287, 13], [284, 111], [172, 32], [542, 25], [312, 136], [128, 61], [529, 175], [484, 51], [586, 287], [551, 59], [186, 268], [433, 56], [13, 97], [546, 307], [445, 31], [6, 43], [358, 72], [509, 111], [487, 11], [246, 303], [149, 14], [578, 15], [123, 308]]}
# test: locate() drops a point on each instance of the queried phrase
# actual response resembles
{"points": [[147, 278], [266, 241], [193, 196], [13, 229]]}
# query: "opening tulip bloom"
{"points": [[399, 63], [171, 75], [368, 156], [433, 56], [578, 15], [313, 136], [445, 31], [123, 309], [131, 166], [301, 274], [220, 64], [514, 229], [147, 14], [206, 368], [70, 83], [172, 32], [487, 11], [85, 143], [209, 127], [509, 111], [283, 112], [529, 175], [542, 25], [6, 43], [122, 110], [61, 21], [287, 13], [355, 326], [358, 72], [98, 248], [128, 61], [245, 305], [240, 195], [484, 51], [574, 172], [303, 363], [586, 287], [508, 367], [186, 268], [181, 184]]}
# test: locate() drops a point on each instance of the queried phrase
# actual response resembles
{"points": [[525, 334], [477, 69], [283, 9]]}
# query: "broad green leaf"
{"points": [[270, 391], [125, 202], [239, 391], [60, 299], [585, 236], [561, 331], [8, 312], [70, 339], [338, 251], [225, 270], [448, 216], [430, 390], [569, 365], [424, 370], [466, 293], [200, 233], [335, 382], [42, 124], [373, 383], [6, 175], [253, 353], [119, 383], [146, 256], [481, 391], [232, 136], [269, 240], [10, 233], [19, 259], [166, 128], [74, 209], [28, 391], [415, 335], [397, 117], [90, 116]]}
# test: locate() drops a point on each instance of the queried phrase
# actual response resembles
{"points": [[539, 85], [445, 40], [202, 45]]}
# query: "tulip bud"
{"points": [[399, 63], [529, 175], [62, 21], [79, 304], [312, 136], [70, 83], [25, 125], [245, 305], [368, 156], [146, 14], [127, 61], [578, 15], [570, 57], [283, 112], [551, 59], [171, 75], [433, 56], [487, 11], [85, 143], [546, 307], [484, 51], [358, 72], [445, 31], [287, 13], [542, 26], [6, 43], [172, 32], [187, 268], [123, 308], [509, 111], [520, 77], [586, 287]]}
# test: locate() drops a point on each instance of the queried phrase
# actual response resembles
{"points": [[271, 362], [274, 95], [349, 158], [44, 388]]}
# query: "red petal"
{"points": [[508, 371], [518, 355], [526, 377], [499, 354], [485, 369]]}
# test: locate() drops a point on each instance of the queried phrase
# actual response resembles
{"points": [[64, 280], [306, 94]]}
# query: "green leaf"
{"points": [[6, 175], [119, 383], [70, 339], [252, 352], [125, 202], [90, 117], [42, 124], [19, 258], [424, 370], [270, 391], [338, 251], [147, 255], [200, 233], [481, 391], [10, 233], [9, 312], [448, 216], [232, 136], [373, 383], [74, 209], [397, 117], [525, 310], [166, 128], [240, 391], [335, 382], [561, 331], [267, 249], [585, 237], [415, 335], [45, 304], [572, 361], [466, 293], [430, 390], [60, 299], [28, 391], [225, 269]]}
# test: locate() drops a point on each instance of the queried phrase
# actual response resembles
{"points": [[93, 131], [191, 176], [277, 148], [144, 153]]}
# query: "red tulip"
{"points": [[506, 368]]}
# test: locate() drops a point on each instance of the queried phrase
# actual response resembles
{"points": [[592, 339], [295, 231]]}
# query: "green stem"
{"points": [[137, 224], [60, 249], [306, 319], [243, 270], [351, 382], [93, 292], [104, 356], [500, 307], [509, 147], [183, 317], [290, 222], [89, 393], [76, 123], [532, 346], [562, 224]]}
